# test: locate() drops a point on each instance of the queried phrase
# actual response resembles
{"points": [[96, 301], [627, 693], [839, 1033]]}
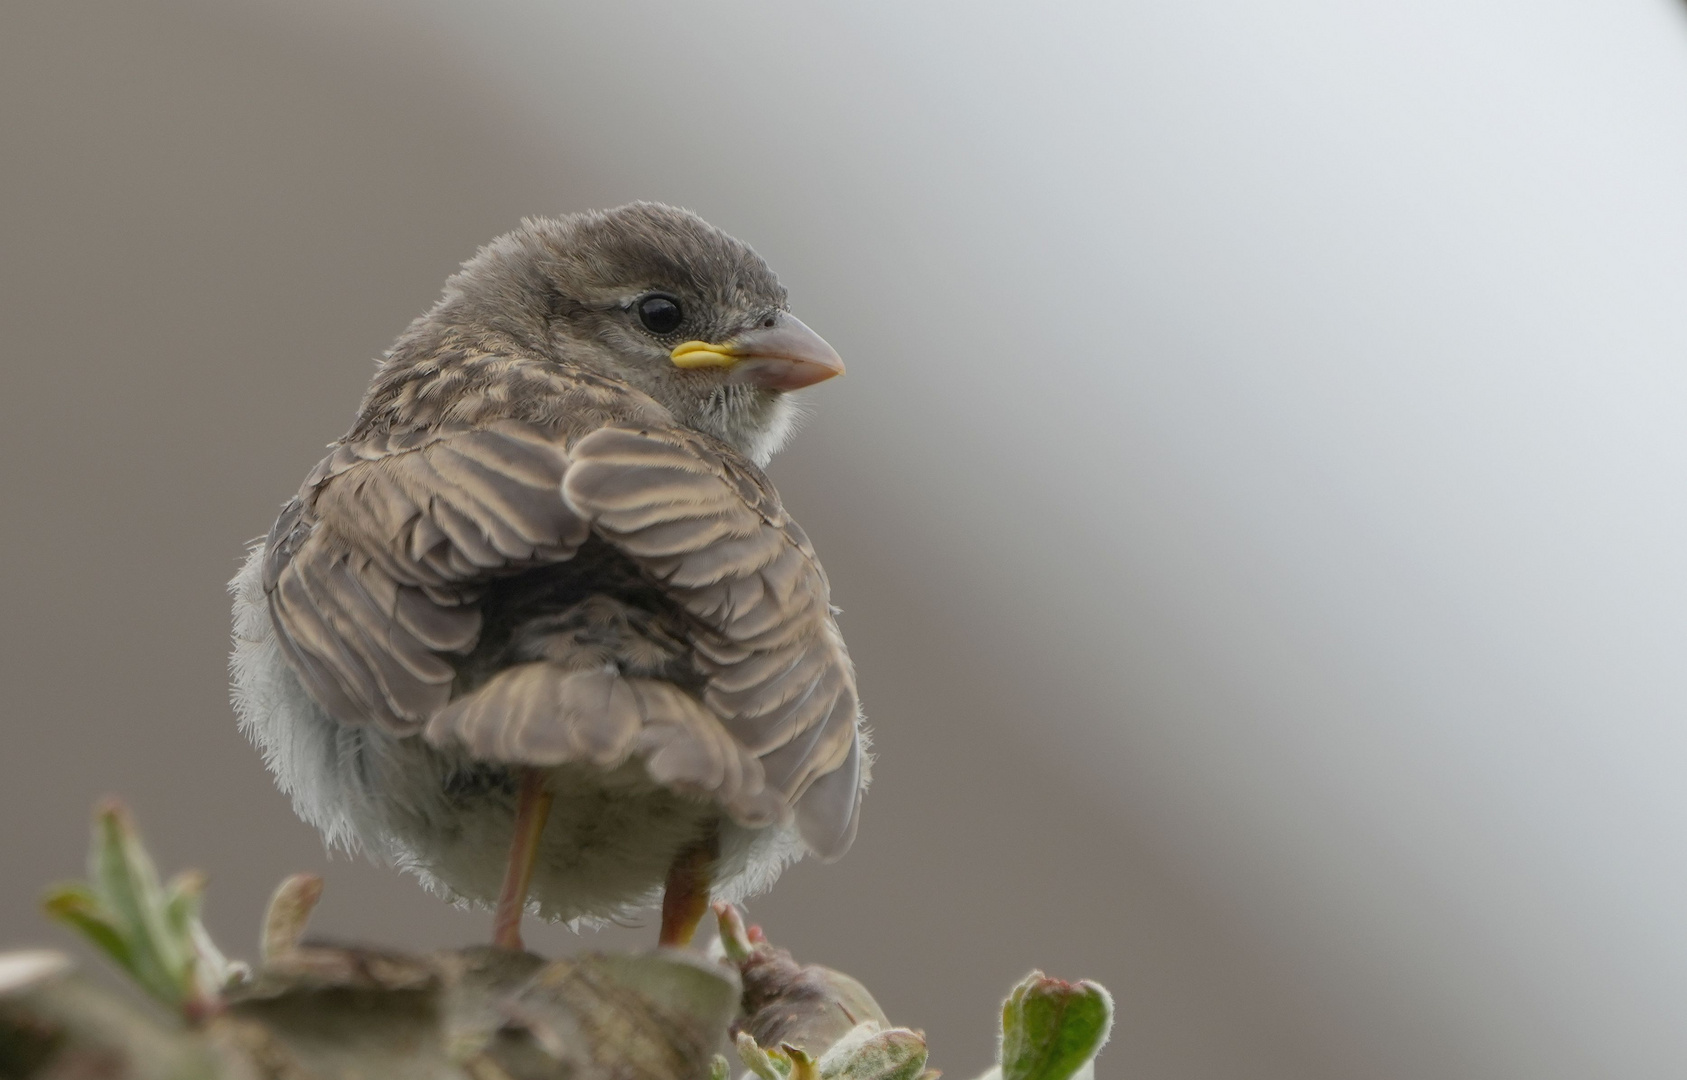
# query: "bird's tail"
{"points": [[543, 714]]}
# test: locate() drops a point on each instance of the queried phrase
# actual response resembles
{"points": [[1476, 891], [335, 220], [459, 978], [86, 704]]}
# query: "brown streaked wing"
{"points": [[707, 524], [372, 571]]}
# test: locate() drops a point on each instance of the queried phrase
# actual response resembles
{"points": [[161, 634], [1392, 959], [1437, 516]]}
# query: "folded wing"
{"points": [[374, 571], [706, 524]]}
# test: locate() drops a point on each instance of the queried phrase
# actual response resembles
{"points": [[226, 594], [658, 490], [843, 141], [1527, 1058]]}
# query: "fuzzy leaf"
{"points": [[289, 910], [868, 1053], [1051, 1029], [767, 1064]]}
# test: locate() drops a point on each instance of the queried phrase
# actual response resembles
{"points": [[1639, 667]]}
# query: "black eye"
{"points": [[660, 314]]}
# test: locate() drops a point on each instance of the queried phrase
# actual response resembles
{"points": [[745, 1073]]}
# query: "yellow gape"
{"points": [[701, 354]]}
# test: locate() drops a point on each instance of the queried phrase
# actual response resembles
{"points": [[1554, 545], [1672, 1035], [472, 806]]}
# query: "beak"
{"points": [[784, 356]]}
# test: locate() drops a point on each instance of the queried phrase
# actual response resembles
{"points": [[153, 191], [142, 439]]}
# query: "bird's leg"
{"points": [[686, 896], [532, 807]]}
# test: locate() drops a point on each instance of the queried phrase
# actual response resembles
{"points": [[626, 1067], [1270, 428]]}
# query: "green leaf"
{"points": [[209, 970], [153, 932], [126, 881], [803, 1067], [77, 907], [183, 899], [1051, 1028]]}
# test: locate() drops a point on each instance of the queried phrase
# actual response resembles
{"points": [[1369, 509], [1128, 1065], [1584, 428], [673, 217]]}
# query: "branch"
{"points": [[314, 1011]]}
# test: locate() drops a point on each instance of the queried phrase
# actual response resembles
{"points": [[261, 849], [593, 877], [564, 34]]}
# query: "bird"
{"points": [[538, 629]]}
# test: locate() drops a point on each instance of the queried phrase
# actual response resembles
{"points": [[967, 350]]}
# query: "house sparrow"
{"points": [[538, 628]]}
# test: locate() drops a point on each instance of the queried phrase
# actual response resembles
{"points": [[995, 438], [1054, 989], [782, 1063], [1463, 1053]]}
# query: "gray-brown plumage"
{"points": [[546, 543]]}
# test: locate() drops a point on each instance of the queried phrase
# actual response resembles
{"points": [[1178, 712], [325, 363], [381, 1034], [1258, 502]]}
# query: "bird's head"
{"points": [[656, 298]]}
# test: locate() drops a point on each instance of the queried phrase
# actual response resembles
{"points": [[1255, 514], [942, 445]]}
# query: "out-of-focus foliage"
{"points": [[151, 930], [315, 1011], [808, 1022]]}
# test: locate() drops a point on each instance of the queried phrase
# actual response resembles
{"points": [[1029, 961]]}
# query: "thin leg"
{"points": [[686, 896], [532, 807]]}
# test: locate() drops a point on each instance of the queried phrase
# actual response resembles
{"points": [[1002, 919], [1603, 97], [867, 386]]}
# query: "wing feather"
{"points": [[701, 520], [372, 570]]}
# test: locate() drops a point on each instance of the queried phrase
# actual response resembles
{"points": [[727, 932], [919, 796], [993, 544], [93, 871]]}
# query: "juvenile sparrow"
{"points": [[538, 628]]}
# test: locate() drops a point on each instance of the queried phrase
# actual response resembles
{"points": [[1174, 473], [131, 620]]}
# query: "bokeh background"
{"points": [[1256, 501]]}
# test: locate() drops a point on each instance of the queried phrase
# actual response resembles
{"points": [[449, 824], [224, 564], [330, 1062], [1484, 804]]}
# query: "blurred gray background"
{"points": [[1256, 500]]}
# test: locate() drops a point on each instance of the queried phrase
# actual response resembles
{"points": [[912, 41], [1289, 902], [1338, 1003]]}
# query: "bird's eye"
{"points": [[660, 314]]}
